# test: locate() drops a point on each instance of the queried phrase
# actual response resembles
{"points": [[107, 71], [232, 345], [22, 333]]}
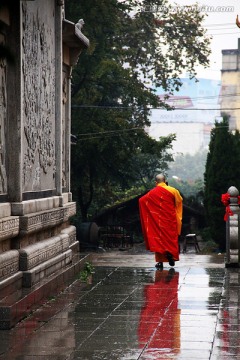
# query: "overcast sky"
{"points": [[221, 24]]}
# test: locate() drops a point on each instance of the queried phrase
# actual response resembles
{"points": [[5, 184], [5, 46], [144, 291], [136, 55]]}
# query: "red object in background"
{"points": [[225, 198]]}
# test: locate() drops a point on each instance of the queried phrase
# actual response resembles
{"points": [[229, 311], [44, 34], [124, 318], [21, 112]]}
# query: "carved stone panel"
{"points": [[3, 116], [9, 227], [70, 210], [66, 103], [38, 253], [71, 232], [38, 89], [33, 276], [42, 220], [9, 263]]}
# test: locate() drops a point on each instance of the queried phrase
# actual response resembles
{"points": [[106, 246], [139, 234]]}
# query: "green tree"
{"points": [[131, 52], [222, 171], [189, 167], [5, 52]]}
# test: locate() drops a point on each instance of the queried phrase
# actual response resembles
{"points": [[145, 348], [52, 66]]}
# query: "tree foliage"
{"points": [[6, 53], [131, 53], [189, 167], [222, 171]]}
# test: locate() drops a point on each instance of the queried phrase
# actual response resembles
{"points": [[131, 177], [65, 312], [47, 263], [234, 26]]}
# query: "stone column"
{"points": [[58, 104], [14, 127], [232, 230]]}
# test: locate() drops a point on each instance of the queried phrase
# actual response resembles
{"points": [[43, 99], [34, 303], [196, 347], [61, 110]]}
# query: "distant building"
{"points": [[196, 109], [191, 136], [229, 97]]}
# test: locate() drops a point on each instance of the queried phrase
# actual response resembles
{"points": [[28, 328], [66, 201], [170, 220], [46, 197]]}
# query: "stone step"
{"points": [[18, 305]]}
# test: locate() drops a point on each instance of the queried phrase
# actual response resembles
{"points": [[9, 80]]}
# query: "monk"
{"points": [[161, 220]]}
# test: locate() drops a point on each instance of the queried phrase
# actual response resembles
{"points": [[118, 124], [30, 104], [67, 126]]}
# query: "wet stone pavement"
{"points": [[132, 311]]}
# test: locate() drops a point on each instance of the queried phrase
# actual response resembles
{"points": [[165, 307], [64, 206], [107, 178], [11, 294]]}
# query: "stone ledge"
{"points": [[9, 227], [33, 276], [65, 198], [9, 263], [37, 253], [42, 220], [71, 232], [70, 210], [10, 285], [5, 210], [46, 219], [34, 206], [75, 247], [11, 312]]}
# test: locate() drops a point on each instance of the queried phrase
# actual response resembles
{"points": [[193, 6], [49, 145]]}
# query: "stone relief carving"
{"points": [[9, 263], [38, 69], [3, 116], [64, 110], [42, 220], [38, 253]]}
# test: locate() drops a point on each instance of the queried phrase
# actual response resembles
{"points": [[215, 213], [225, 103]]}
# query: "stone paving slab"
{"points": [[146, 259], [133, 311]]}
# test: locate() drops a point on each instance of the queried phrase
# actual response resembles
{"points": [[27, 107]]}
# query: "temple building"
{"points": [[37, 241]]}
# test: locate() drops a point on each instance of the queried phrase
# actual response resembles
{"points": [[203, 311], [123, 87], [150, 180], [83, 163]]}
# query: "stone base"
{"points": [[10, 285], [44, 270], [233, 260], [18, 305], [75, 247]]}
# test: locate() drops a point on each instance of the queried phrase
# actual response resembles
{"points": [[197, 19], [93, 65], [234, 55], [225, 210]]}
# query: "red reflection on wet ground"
{"points": [[159, 324]]}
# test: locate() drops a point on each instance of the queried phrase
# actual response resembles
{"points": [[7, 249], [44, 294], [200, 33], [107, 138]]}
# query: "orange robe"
{"points": [[161, 220]]}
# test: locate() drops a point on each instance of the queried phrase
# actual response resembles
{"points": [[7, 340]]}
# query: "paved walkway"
{"points": [[133, 311]]}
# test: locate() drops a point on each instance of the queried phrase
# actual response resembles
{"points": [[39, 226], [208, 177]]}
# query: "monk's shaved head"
{"points": [[160, 178]]}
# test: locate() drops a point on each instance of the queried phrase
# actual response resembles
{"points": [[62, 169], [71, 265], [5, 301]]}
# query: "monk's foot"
{"points": [[159, 265], [170, 259]]}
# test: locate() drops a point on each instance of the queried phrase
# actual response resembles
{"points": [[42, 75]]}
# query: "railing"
{"points": [[115, 236]]}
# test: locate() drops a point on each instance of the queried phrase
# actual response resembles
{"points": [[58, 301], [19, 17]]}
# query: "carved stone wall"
{"points": [[64, 107], [3, 117], [38, 74], [37, 241]]}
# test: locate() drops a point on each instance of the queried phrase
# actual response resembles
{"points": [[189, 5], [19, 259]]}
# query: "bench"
{"points": [[190, 239]]}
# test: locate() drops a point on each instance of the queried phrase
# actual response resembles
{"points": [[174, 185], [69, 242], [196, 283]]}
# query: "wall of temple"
{"points": [[36, 238]]}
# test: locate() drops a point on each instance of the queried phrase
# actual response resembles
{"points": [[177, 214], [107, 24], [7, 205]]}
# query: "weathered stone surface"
{"points": [[71, 232], [39, 97], [37, 253], [5, 210], [46, 219], [17, 307], [33, 206], [70, 210], [42, 220], [64, 199], [10, 285], [9, 227], [75, 247], [5, 245], [44, 270], [9, 263], [35, 147], [73, 243]]}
